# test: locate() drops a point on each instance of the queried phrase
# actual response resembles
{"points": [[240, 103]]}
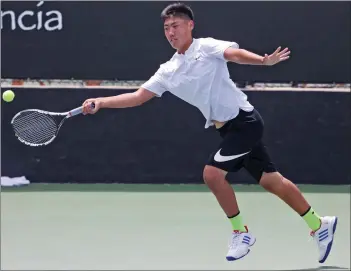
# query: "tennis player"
{"points": [[197, 73]]}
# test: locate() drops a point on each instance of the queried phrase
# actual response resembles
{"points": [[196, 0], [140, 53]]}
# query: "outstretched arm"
{"points": [[120, 101], [242, 56]]}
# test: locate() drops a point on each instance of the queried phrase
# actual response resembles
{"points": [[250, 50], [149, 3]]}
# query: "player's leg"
{"points": [[241, 239], [238, 140], [259, 165], [277, 184], [215, 178]]}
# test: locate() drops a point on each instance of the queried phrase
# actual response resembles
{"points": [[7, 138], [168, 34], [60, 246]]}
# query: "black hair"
{"points": [[177, 9]]}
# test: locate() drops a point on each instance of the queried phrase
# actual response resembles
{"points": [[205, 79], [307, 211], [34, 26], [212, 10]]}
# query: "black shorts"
{"points": [[242, 146]]}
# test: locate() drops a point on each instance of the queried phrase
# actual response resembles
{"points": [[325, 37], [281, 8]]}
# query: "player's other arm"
{"points": [[242, 56]]}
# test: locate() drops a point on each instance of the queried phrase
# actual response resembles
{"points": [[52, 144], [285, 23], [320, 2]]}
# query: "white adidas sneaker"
{"points": [[324, 236], [239, 245]]}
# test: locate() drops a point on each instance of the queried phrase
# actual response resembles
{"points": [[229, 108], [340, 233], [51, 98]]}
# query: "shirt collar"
{"points": [[189, 51]]}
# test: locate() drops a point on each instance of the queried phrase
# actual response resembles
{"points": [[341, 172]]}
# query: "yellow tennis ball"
{"points": [[8, 96]]}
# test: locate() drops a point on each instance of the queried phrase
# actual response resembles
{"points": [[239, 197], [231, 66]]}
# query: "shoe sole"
{"points": [[331, 242], [230, 259]]}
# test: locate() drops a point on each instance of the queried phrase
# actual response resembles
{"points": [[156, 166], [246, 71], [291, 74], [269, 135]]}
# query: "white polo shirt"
{"points": [[201, 78]]}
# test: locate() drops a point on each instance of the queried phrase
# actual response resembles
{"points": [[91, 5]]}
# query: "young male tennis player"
{"points": [[198, 74]]}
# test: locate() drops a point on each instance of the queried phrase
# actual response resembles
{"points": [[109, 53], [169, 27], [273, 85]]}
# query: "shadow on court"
{"points": [[322, 268]]}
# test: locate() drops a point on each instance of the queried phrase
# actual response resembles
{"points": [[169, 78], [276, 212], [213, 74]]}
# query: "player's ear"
{"points": [[191, 24]]}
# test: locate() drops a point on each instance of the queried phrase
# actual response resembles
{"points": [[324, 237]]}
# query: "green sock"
{"points": [[237, 223], [312, 219]]}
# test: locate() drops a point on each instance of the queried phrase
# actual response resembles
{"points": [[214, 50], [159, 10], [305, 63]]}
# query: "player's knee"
{"points": [[272, 181], [212, 176]]}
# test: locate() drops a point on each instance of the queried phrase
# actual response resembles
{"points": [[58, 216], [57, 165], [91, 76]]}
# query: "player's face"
{"points": [[178, 32]]}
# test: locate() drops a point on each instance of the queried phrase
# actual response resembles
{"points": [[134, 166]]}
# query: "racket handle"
{"points": [[79, 110]]}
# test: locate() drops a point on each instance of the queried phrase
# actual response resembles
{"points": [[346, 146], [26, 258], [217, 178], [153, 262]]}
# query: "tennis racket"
{"points": [[36, 127]]}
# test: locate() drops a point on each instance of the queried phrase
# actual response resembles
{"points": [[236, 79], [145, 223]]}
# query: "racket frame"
{"points": [[66, 115]]}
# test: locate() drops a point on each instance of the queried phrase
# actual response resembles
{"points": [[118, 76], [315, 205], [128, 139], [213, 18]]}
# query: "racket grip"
{"points": [[79, 110]]}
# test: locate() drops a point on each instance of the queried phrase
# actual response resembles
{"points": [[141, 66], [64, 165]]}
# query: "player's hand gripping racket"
{"points": [[36, 127]]}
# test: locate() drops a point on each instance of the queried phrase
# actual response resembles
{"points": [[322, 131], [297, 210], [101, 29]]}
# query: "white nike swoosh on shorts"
{"points": [[220, 158]]}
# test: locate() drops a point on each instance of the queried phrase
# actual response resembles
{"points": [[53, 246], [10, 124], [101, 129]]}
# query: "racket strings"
{"points": [[35, 127]]}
